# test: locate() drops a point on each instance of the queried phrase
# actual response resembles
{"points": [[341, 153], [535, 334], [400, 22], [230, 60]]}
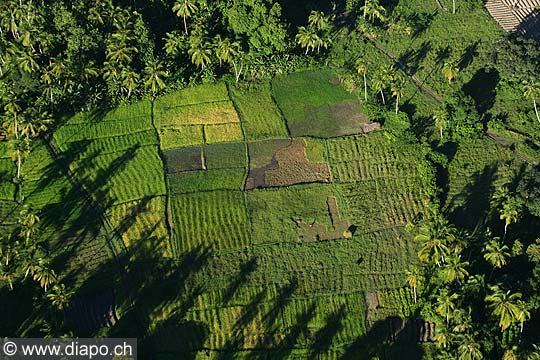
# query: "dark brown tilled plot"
{"points": [[282, 163], [184, 159]]}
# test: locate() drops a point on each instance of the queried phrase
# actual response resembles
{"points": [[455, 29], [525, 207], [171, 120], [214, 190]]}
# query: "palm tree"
{"points": [[413, 278], [373, 11], [318, 20], [185, 9], [59, 296], [29, 223], [33, 126], [19, 149], [455, 269], [450, 71], [469, 349], [130, 79], [441, 120], [435, 237], [44, 275], [531, 89], [397, 87], [522, 315], [495, 253], [14, 109], [379, 84], [224, 49], [154, 75], [504, 305], [446, 304], [509, 212], [361, 68], [200, 51], [307, 38]]}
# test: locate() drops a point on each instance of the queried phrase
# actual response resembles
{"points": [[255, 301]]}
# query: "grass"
{"points": [[215, 219], [206, 180], [184, 159], [142, 219], [198, 114], [226, 155], [314, 105], [106, 175], [194, 95], [314, 150], [477, 170], [174, 137], [260, 115], [223, 133], [274, 212]]}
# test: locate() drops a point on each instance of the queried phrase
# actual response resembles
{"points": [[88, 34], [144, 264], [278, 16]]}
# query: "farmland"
{"points": [[262, 244], [283, 236]]}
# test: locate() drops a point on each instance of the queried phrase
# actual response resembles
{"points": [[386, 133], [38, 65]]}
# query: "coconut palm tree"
{"points": [[318, 20], [153, 77], [200, 51], [455, 269], [523, 314], [446, 304], [531, 89], [130, 80], [19, 150], [59, 296], [413, 278], [504, 305], [307, 38], [469, 349], [373, 11], [33, 125], [509, 212], [435, 237], [440, 118], [450, 71], [44, 275], [397, 87], [495, 253], [185, 9], [29, 222], [361, 68]]}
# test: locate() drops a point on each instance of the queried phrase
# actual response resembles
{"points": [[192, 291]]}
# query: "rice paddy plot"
{"points": [[315, 105], [225, 155], [124, 176], [206, 180], [282, 163], [213, 219], [99, 146], [230, 132], [184, 159], [379, 204], [83, 132], [259, 114], [195, 95], [220, 112], [175, 137], [140, 111], [278, 213], [142, 227]]}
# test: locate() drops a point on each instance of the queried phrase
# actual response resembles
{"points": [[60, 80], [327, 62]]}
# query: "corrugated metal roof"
{"points": [[522, 16]]}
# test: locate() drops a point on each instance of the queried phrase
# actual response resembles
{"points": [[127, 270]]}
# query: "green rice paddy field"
{"points": [[241, 223]]}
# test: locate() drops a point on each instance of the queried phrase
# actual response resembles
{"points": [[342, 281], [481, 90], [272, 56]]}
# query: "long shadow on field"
{"points": [[153, 298], [470, 208], [386, 342]]}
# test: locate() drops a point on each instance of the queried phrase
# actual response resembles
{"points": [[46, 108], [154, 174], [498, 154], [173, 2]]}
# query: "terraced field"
{"points": [[240, 239]]}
